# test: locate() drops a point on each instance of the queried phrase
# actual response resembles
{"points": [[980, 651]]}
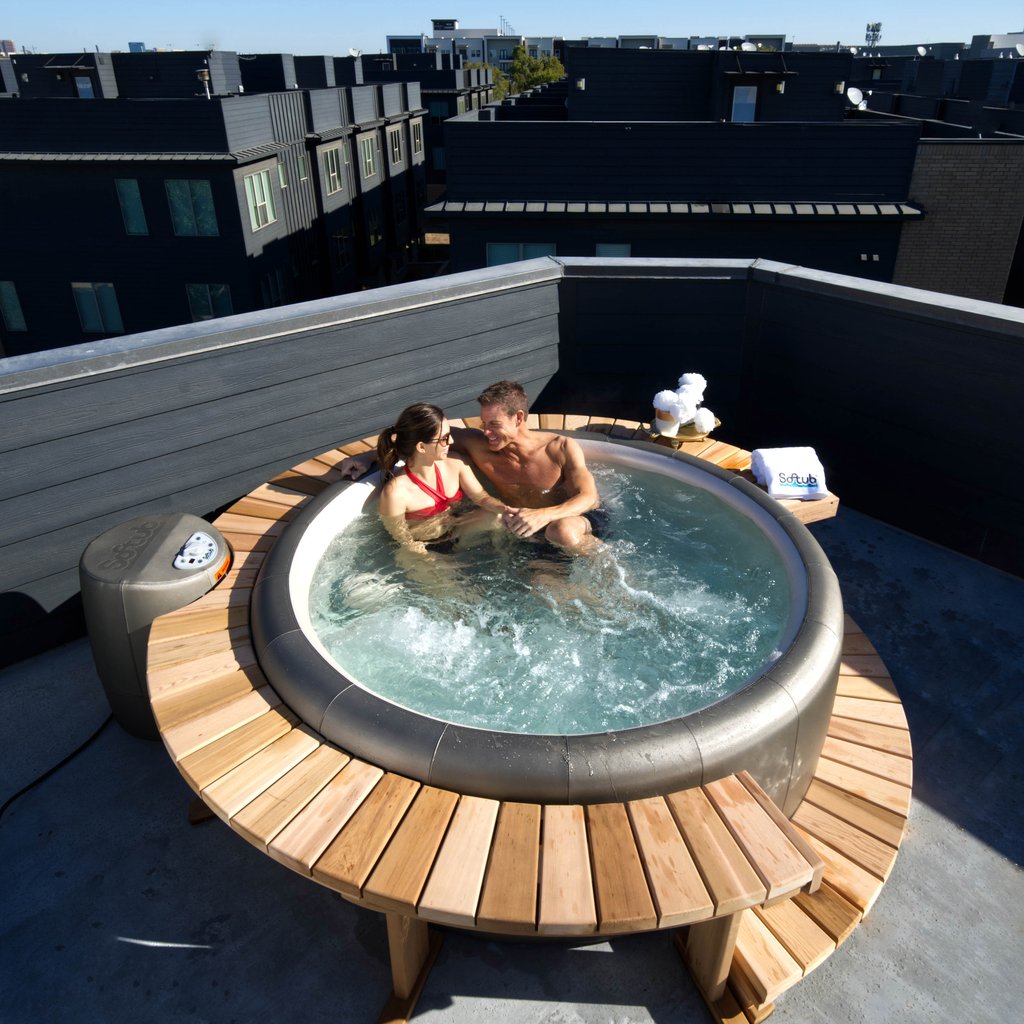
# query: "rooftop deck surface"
{"points": [[116, 909]]}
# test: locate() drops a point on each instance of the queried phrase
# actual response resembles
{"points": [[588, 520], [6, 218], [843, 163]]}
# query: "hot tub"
{"points": [[773, 726]]}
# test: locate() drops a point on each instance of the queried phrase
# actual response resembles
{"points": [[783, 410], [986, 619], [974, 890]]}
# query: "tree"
{"points": [[527, 71], [498, 77]]}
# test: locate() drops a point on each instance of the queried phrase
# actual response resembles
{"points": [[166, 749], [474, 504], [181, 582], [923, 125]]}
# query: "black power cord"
{"points": [[60, 764]]}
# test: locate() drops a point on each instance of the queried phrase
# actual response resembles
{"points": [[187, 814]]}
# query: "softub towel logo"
{"points": [[796, 480]]}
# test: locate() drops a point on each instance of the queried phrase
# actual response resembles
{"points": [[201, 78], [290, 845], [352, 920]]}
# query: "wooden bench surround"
{"points": [[764, 900]]}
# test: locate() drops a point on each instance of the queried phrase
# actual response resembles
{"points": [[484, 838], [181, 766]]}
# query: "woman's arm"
{"points": [[472, 488], [392, 514]]}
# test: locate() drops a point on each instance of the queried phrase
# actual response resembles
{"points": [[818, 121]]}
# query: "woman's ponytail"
{"points": [[387, 452]]}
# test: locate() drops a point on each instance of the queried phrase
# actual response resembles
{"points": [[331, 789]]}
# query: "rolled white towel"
{"points": [[692, 393], [686, 407], [665, 401], [704, 421], [789, 472]]}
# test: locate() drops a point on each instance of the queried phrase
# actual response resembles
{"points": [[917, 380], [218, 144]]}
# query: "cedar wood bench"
{"points": [[763, 899]]}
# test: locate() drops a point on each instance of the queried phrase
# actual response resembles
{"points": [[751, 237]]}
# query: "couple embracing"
{"points": [[544, 489]]}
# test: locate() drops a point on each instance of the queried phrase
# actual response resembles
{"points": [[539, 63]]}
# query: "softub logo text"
{"points": [[796, 480]]}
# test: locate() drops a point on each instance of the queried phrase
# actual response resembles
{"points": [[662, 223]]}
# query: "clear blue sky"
{"points": [[322, 27]]}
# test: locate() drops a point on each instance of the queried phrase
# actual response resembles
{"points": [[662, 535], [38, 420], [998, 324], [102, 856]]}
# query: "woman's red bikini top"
{"points": [[441, 503]]}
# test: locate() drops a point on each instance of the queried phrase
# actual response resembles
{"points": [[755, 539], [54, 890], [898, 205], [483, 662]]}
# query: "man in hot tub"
{"points": [[541, 477]]}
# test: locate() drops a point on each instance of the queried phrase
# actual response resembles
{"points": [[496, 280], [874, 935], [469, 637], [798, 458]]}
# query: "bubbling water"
{"points": [[685, 602]]}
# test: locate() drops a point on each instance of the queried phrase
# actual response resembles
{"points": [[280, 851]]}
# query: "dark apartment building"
{"points": [[728, 154], [84, 75], [445, 91], [132, 214], [969, 107]]}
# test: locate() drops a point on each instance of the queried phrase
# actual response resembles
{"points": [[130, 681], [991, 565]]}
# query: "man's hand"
{"points": [[525, 522], [356, 466]]}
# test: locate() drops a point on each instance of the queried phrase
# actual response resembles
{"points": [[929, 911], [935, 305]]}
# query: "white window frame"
{"points": [[368, 156], [259, 195], [395, 144], [417, 137], [334, 180]]}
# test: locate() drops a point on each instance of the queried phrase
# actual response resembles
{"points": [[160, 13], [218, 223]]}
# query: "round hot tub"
{"points": [[772, 724]]}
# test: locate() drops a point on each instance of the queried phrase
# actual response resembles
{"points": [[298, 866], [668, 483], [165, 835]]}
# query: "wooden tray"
{"points": [[683, 434]]}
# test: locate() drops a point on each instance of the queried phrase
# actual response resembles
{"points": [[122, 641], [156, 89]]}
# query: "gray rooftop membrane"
{"points": [[773, 726]]}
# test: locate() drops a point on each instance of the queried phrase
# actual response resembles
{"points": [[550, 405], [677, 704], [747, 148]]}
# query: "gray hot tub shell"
{"points": [[774, 726]]}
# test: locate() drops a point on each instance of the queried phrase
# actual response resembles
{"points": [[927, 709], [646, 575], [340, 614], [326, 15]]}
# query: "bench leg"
{"points": [[709, 950], [412, 948]]}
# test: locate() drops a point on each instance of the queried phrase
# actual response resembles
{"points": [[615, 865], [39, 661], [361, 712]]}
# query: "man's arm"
{"points": [[355, 467], [464, 441]]}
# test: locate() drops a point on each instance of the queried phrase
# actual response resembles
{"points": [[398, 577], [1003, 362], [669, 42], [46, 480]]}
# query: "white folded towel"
{"points": [[789, 472]]}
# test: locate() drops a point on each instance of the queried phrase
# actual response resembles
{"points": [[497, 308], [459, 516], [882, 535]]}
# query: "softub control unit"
{"points": [[131, 574]]}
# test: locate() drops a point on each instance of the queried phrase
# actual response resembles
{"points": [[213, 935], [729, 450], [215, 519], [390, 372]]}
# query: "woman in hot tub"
{"points": [[417, 501]]}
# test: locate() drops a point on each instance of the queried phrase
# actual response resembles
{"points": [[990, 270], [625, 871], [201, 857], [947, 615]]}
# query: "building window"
{"points": [[876, 74], [10, 307], [209, 301], [417, 137], [274, 288], [341, 251], [260, 197], [511, 252], [282, 174], [132, 214], [191, 203], [461, 104], [368, 155], [97, 307], [333, 181], [612, 249], [395, 144], [374, 233], [84, 87], [303, 167], [744, 104]]}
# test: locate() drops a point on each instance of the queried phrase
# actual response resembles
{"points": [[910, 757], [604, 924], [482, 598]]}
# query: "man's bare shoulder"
{"points": [[561, 449]]}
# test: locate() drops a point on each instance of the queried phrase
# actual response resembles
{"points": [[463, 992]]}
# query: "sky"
{"points": [[335, 26]]}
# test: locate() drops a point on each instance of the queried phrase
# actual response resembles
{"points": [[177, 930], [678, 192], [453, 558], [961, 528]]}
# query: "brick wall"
{"points": [[974, 205]]}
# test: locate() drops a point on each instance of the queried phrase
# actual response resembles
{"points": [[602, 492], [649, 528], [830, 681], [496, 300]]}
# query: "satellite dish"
{"points": [[353, 52], [921, 51], [748, 47], [855, 96], [703, 46], [863, 105], [853, 50], [1020, 49]]}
